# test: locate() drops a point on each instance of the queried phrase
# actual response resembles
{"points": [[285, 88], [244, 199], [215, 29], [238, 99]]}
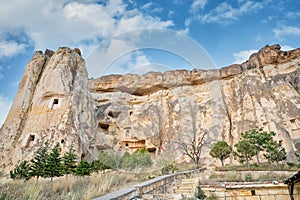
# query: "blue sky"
{"points": [[229, 31]]}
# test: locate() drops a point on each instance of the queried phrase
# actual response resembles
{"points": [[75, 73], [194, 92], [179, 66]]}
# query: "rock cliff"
{"points": [[57, 102], [53, 104], [163, 108]]}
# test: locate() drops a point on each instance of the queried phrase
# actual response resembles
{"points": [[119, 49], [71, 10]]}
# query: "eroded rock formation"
{"points": [[56, 102], [53, 104], [165, 108]]}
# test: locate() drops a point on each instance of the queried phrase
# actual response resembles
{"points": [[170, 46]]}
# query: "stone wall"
{"points": [[182, 185], [257, 191]]}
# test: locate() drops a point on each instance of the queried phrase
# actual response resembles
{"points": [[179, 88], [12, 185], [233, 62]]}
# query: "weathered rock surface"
{"points": [[53, 104], [164, 108], [56, 102]]}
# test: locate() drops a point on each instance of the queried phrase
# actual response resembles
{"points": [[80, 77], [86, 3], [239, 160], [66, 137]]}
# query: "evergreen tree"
{"points": [[97, 165], [84, 168], [275, 152], [21, 171], [69, 161], [245, 150], [53, 165], [37, 167], [259, 139], [220, 150]]}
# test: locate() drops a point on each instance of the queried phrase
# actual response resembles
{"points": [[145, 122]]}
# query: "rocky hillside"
{"points": [[53, 104], [161, 109], [57, 102]]}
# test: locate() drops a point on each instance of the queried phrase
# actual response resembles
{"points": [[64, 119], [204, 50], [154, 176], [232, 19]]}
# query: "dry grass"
{"points": [[69, 187], [254, 176], [256, 167]]}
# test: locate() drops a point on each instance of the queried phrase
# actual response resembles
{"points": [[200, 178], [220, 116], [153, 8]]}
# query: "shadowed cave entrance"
{"points": [[30, 141]]}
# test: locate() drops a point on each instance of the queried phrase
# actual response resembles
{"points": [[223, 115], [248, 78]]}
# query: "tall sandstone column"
{"points": [[53, 104]]}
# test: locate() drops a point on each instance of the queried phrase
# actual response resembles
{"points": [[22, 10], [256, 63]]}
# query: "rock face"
{"points": [[53, 104], [56, 102], [163, 109]]}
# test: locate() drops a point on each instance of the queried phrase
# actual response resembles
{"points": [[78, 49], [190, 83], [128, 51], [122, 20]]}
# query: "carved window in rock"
{"points": [[294, 124], [114, 114], [103, 125], [134, 144], [266, 126], [30, 141], [54, 103]]}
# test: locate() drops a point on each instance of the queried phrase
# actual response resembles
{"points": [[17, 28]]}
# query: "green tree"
{"points": [[245, 150], [221, 150], [128, 161], [275, 152], [97, 165], [53, 165], [139, 159], [110, 160], [84, 168], [21, 171], [259, 139], [69, 162], [142, 157], [37, 167]]}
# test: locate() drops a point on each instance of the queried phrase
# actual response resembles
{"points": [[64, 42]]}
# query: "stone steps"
{"points": [[187, 186], [162, 196]]}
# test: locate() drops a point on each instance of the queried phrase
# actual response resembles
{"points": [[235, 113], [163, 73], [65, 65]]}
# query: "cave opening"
{"points": [[55, 101], [30, 140], [103, 125]]}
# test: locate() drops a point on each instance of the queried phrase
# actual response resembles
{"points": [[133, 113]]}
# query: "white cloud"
{"points": [[139, 61], [152, 7], [293, 15], [286, 30], [287, 48], [110, 53], [242, 56], [132, 62], [4, 108], [1, 75], [70, 23], [224, 13], [267, 20], [197, 5], [10, 48]]}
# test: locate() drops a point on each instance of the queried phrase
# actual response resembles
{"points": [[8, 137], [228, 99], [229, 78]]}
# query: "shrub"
{"points": [[97, 165], [213, 196], [84, 168], [200, 193], [128, 161], [169, 168], [248, 177], [21, 171], [291, 164], [110, 160]]}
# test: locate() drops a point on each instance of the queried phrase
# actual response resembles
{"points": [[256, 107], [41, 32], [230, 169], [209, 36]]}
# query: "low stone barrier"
{"points": [[159, 185]]}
